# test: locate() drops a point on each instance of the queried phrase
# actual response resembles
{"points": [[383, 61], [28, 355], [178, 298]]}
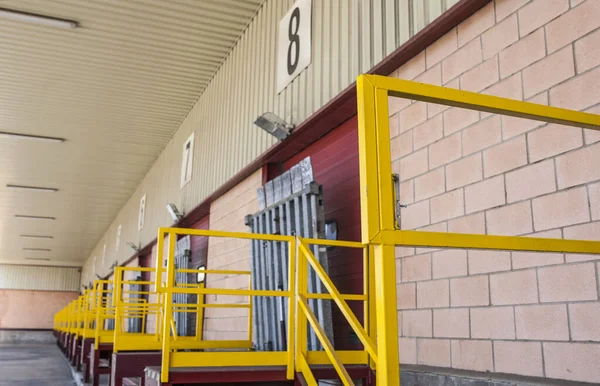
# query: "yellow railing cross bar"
{"points": [[335, 360], [341, 303]]}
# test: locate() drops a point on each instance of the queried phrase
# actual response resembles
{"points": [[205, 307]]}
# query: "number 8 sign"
{"points": [[295, 45]]}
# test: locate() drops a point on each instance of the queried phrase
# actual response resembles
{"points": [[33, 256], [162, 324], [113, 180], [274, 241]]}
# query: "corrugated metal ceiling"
{"points": [[116, 88]]}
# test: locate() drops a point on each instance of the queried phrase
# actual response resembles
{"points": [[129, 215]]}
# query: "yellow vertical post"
{"points": [[250, 309], [117, 292], [291, 350], [200, 315], [168, 304], [301, 288], [367, 147], [98, 305]]}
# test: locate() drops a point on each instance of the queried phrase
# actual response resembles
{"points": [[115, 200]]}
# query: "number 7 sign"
{"points": [[295, 43]]}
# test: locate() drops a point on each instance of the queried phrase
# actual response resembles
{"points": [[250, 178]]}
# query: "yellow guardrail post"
{"points": [[168, 304]]}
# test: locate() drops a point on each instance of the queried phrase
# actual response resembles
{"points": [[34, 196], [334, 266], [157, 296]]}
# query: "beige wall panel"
{"points": [[470, 172], [349, 37], [23, 309]]}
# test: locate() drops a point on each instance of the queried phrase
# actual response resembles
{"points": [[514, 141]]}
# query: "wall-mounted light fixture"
{"points": [[48, 21], [31, 136], [274, 125], [37, 249], [133, 246], [25, 187], [176, 215], [37, 259], [201, 275], [36, 237], [34, 217]]}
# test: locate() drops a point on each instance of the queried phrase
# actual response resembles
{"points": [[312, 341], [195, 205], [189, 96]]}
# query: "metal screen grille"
{"points": [[290, 204], [183, 322]]}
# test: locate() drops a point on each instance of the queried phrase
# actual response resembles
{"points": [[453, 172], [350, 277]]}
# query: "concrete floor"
{"points": [[33, 365]]}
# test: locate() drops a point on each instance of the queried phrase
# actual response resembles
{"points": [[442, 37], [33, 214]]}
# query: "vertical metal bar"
{"points": [[263, 285], [284, 230], [276, 279], [306, 232], [321, 305], [168, 306], [271, 285], [291, 316], [257, 316]]}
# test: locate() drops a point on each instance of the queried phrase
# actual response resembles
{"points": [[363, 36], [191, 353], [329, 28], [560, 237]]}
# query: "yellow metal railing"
{"points": [[105, 312], [380, 235]]}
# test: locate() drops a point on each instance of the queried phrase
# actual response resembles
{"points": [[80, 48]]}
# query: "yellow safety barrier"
{"points": [[379, 226], [129, 307], [380, 235], [105, 312]]}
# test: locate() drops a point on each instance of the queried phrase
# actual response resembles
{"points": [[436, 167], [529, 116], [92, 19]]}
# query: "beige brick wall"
{"points": [[227, 214], [463, 171], [24, 309]]}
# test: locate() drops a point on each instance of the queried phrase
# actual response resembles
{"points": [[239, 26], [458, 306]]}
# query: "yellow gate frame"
{"points": [[377, 194]]}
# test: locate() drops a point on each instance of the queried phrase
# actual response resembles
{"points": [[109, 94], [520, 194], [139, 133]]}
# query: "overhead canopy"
{"points": [[115, 88]]}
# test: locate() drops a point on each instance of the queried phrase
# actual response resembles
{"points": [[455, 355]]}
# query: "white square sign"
{"points": [[295, 43]]}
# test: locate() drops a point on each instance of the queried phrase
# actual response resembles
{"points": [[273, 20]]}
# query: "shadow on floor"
{"points": [[33, 365]]}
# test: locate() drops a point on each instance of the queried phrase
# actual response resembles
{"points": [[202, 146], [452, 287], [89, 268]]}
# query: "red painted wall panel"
{"points": [[335, 166], [199, 245]]}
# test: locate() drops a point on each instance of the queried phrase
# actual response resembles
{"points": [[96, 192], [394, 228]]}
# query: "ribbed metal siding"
{"points": [[349, 38], [27, 277]]}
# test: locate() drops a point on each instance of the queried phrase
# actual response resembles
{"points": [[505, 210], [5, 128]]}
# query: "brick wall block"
{"points": [[406, 296], [561, 209], [445, 150], [500, 36], [518, 287], [430, 184], [476, 25], [449, 263], [462, 60], [572, 361], [539, 12], [412, 68], [536, 259], [413, 164], [415, 215], [572, 25], [531, 181], [485, 194], [523, 358], [417, 323], [433, 352], [474, 224], [522, 53], [456, 119], [488, 261], [585, 52], [464, 171], [402, 145], [492, 323], [548, 72], [482, 134], [510, 220], [505, 8], [481, 76], [568, 283], [472, 355], [411, 116], [428, 132], [451, 323], [407, 192], [441, 48], [416, 268], [551, 140], [447, 206], [431, 294], [542, 322], [505, 156], [407, 348], [578, 93], [584, 319], [594, 194], [469, 291], [578, 167]]}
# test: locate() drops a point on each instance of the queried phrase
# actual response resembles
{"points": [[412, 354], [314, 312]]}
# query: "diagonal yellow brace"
{"points": [[335, 360], [337, 298]]}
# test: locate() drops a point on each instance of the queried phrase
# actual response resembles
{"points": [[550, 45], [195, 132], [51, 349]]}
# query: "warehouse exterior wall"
{"points": [[228, 213], [349, 37], [469, 172], [27, 309]]}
